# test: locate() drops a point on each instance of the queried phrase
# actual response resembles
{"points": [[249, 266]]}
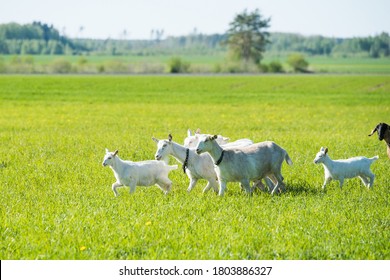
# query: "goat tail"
{"points": [[374, 158], [172, 167], [288, 159]]}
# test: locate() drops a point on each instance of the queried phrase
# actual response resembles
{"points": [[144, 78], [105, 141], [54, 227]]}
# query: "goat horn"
{"points": [[115, 153], [170, 137]]}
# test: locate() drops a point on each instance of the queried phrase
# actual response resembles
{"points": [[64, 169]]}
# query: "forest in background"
{"points": [[39, 48], [43, 39]]}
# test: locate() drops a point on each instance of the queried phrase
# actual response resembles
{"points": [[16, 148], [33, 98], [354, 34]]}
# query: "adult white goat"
{"points": [[345, 168], [192, 140], [195, 166], [142, 173], [245, 164]]}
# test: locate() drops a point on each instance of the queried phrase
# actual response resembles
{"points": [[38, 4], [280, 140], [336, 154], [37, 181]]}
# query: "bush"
{"points": [[272, 67], [61, 66], [263, 68], [3, 69], [82, 61], [275, 67], [115, 67], [149, 68], [20, 64], [234, 68], [298, 63], [177, 65], [217, 68], [100, 68]]}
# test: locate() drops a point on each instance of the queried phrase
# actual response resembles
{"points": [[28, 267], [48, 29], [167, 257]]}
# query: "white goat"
{"points": [[192, 140], [345, 168], [142, 173], [251, 163], [195, 166]]}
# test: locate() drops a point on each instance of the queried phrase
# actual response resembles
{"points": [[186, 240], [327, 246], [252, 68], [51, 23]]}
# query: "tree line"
{"points": [[40, 38], [196, 44], [35, 39], [372, 46]]}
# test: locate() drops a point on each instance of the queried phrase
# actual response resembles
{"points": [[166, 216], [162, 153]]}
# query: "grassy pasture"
{"points": [[199, 63], [57, 202]]}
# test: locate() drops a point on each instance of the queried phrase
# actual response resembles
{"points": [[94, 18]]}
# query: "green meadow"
{"points": [[56, 198], [218, 62]]}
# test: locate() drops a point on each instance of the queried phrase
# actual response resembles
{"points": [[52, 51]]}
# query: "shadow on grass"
{"points": [[299, 188]]}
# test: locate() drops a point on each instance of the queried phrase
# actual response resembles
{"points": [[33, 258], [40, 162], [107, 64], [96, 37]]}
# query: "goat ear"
{"points": [[155, 139], [107, 151], [189, 132], [197, 131], [170, 137], [373, 131], [115, 153]]}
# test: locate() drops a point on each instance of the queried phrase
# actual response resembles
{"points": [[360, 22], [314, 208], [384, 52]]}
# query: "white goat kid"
{"points": [[195, 166], [142, 173], [245, 164], [345, 168], [192, 140]]}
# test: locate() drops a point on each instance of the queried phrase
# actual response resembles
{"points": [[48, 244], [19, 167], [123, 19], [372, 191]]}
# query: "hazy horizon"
{"points": [[133, 20]]}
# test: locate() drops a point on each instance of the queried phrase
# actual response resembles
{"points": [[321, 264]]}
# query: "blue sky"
{"points": [[103, 19]]}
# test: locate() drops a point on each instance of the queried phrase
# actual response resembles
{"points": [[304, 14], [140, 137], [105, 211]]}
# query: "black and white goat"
{"points": [[383, 131]]}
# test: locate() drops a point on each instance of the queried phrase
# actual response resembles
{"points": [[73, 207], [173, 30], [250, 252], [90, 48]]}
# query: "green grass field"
{"points": [[57, 201], [158, 64]]}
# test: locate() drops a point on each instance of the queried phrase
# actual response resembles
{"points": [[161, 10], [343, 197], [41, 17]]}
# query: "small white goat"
{"points": [[345, 168], [142, 173], [192, 140], [251, 163], [195, 166]]}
